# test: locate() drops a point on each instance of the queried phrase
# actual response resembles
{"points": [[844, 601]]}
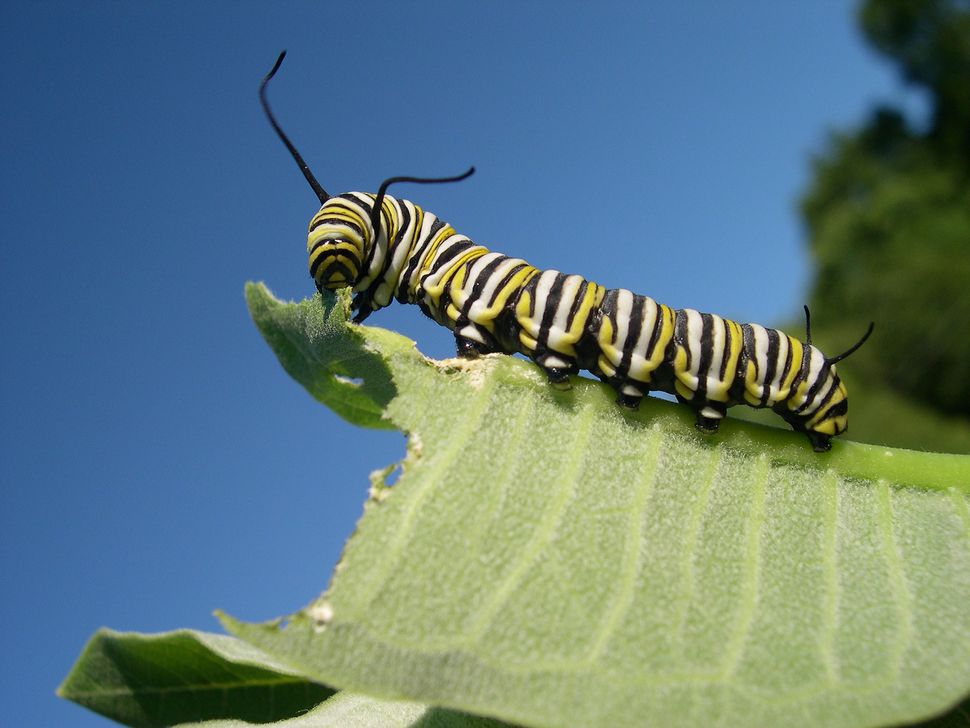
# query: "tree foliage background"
{"points": [[888, 217]]}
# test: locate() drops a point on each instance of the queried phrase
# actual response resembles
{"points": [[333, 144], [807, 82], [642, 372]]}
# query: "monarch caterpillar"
{"points": [[387, 248]]}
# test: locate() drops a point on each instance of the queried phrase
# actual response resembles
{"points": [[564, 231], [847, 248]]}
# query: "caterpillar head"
{"points": [[342, 232], [832, 416], [820, 406], [337, 244]]}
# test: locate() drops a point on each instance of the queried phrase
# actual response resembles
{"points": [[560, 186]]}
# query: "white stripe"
{"points": [[533, 323], [760, 355], [479, 309], [624, 309], [471, 332], [695, 329], [816, 364], [557, 332], [714, 381], [430, 280], [638, 360]]}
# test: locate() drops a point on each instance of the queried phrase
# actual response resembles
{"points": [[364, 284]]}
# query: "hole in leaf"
{"points": [[349, 381], [392, 475], [382, 480]]}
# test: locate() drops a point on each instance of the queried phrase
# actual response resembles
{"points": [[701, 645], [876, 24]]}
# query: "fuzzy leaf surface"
{"points": [[550, 559]]}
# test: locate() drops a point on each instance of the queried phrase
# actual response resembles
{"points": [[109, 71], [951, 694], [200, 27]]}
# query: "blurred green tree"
{"points": [[888, 217]]}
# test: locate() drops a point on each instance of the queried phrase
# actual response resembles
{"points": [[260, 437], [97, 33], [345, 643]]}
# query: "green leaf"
{"points": [[346, 710], [162, 679], [327, 357], [551, 559]]}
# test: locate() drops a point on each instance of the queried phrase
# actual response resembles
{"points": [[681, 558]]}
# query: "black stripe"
{"points": [[803, 369], [634, 331], [577, 302], [330, 218], [451, 252], [771, 368], [838, 409], [513, 271], [418, 245], [749, 349], [728, 340], [529, 288], [401, 239], [549, 313], [339, 221], [707, 354], [337, 266], [400, 218], [833, 390], [814, 389], [315, 266], [680, 333], [788, 356], [481, 280], [319, 244], [658, 325]]}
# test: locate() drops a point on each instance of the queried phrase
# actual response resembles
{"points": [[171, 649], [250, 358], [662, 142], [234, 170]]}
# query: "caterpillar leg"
{"points": [[628, 395], [470, 349], [360, 307], [471, 340], [820, 442], [557, 369], [709, 417]]}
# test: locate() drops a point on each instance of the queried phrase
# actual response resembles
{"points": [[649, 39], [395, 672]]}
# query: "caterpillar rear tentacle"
{"points": [[388, 249]]}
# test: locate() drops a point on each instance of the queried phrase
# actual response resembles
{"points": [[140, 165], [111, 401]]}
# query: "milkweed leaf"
{"points": [[347, 710], [551, 559], [329, 358], [163, 679]]}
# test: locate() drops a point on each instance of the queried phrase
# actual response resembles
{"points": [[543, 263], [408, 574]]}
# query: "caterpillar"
{"points": [[387, 249]]}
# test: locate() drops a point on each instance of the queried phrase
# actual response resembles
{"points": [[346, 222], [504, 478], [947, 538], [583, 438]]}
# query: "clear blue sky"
{"points": [[157, 463]]}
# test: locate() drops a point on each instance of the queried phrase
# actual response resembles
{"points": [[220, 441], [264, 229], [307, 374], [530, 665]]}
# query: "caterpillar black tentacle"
{"points": [[387, 249]]}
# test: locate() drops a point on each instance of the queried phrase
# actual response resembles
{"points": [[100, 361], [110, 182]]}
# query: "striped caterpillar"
{"points": [[386, 248]]}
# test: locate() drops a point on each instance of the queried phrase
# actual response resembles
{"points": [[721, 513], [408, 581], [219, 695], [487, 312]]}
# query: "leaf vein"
{"points": [[454, 449], [897, 576], [687, 565], [830, 575], [543, 532], [631, 549], [751, 582]]}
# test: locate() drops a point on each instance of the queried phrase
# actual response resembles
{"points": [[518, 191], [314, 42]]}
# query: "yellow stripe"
{"points": [[605, 339], [680, 366], [605, 366], [797, 353], [434, 243], [720, 393], [528, 343], [656, 355], [445, 275], [591, 297], [751, 384]]}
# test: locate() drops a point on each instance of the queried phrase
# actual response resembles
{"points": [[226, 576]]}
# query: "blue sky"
{"points": [[157, 462]]}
